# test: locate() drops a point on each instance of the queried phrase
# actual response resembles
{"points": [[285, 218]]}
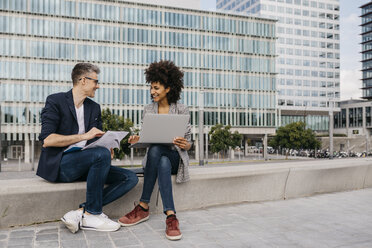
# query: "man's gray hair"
{"points": [[82, 68]]}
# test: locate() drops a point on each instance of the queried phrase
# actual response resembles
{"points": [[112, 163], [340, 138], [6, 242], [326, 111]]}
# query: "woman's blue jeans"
{"points": [[161, 163], [94, 166]]}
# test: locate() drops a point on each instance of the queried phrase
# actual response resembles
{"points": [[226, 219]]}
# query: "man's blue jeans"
{"points": [[161, 163], [94, 166]]}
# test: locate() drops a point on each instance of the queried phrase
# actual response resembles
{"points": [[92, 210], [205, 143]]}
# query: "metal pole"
{"points": [[131, 157], [1, 148], [330, 130], [201, 127], [33, 151]]}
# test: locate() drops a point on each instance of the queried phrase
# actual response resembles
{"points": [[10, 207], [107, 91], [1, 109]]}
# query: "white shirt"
{"points": [[80, 119]]}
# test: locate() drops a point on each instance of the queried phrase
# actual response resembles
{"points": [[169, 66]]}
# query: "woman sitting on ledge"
{"points": [[162, 161]]}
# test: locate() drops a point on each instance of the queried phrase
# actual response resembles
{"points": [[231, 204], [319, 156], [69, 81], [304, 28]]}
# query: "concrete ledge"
{"points": [[28, 201]]}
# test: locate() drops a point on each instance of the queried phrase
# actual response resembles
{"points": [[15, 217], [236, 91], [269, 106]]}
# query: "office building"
{"points": [[367, 50], [229, 57], [308, 64]]}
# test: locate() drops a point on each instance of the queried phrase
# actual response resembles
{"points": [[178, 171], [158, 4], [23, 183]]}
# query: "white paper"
{"points": [[111, 139]]}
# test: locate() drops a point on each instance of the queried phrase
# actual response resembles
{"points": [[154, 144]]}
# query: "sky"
{"points": [[350, 47]]}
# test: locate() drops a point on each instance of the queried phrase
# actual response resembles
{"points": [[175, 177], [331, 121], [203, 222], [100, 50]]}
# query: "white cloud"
{"points": [[351, 84]]}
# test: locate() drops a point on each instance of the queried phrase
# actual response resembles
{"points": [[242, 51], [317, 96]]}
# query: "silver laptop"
{"points": [[161, 129]]}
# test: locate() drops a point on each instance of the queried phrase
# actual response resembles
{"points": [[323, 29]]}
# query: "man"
{"points": [[70, 120]]}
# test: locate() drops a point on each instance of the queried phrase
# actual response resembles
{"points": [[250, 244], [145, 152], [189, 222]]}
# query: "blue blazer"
{"points": [[59, 117]]}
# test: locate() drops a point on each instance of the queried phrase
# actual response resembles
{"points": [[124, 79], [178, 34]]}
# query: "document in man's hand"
{"points": [[111, 139]]}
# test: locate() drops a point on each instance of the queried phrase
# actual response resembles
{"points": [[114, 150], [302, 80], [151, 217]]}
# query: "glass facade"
{"points": [[315, 122], [367, 50], [355, 118], [308, 49], [230, 57]]}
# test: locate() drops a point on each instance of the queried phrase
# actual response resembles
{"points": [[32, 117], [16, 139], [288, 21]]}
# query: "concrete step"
{"points": [[34, 200]]}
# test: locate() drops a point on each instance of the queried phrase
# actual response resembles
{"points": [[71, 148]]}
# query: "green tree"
{"points": [[114, 122], [221, 138], [295, 136]]}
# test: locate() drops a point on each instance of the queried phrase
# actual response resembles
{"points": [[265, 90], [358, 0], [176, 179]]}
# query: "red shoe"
{"points": [[137, 215], [173, 231]]}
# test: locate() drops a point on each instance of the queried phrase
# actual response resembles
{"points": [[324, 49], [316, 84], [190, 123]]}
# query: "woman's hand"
{"points": [[133, 139], [182, 143], [112, 153]]}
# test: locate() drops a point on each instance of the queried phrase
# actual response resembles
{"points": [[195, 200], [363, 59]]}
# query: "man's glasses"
{"points": [[94, 80]]}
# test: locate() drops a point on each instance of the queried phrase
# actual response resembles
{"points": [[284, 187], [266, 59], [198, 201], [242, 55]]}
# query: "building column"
{"points": [[27, 149], [347, 122], [206, 147], [245, 147], [331, 130], [366, 134], [196, 148], [265, 147]]}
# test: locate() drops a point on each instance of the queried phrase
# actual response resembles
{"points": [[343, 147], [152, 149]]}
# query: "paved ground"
{"points": [[330, 220]]}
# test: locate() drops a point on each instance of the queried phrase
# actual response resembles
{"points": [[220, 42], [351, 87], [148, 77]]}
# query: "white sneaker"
{"points": [[98, 223], [72, 220]]}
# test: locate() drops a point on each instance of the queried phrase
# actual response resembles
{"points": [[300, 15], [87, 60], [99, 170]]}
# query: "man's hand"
{"points": [[182, 143], [133, 139], [58, 140], [92, 133]]}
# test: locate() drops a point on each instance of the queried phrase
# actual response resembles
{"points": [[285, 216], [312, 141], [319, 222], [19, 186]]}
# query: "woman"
{"points": [[161, 161]]}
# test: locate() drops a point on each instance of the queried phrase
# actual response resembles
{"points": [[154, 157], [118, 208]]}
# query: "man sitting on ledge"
{"points": [[70, 120]]}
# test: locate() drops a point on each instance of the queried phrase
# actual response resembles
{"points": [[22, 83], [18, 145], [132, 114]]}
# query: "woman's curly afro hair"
{"points": [[169, 75]]}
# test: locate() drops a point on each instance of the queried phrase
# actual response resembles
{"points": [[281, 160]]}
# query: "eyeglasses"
{"points": [[94, 80]]}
